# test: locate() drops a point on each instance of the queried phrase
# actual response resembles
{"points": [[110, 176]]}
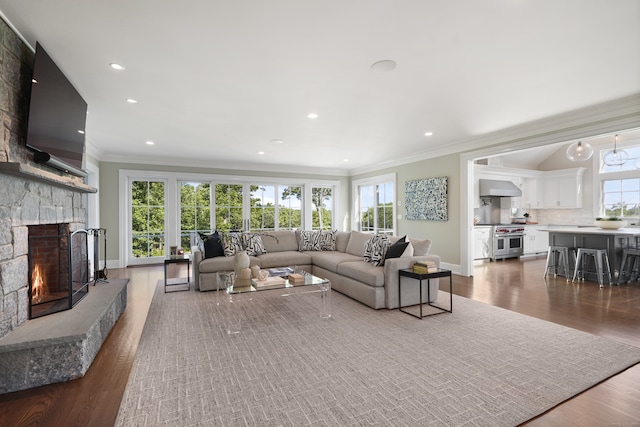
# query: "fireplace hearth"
{"points": [[58, 268]]}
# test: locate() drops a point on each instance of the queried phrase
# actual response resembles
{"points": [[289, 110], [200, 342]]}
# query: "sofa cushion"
{"points": [[420, 247], [356, 243], [280, 240], [342, 240], [362, 271], [213, 265], [329, 260], [284, 259]]}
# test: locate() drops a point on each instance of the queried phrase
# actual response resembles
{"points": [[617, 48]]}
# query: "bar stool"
{"points": [[601, 260], [633, 256], [559, 254]]}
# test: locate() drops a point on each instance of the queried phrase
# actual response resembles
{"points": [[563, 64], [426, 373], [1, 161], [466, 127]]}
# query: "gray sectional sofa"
{"points": [[375, 286]]}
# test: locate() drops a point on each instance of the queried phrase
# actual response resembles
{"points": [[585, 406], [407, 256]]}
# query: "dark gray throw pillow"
{"points": [[212, 245], [397, 249]]}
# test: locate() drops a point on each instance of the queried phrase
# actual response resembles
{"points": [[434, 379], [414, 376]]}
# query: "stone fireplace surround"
{"points": [[32, 194]]}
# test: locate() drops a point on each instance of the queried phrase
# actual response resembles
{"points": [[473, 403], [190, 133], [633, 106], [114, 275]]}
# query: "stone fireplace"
{"points": [[30, 194], [58, 268]]}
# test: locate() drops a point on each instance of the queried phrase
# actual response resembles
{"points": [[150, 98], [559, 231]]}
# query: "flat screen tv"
{"points": [[57, 117]]}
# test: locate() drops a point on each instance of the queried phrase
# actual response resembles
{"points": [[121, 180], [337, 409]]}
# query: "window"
{"points": [[322, 215], [263, 208], [229, 207], [147, 219], [289, 208], [375, 204], [620, 186], [195, 211]]}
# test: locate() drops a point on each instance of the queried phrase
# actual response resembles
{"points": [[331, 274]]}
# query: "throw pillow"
{"points": [[327, 240], [397, 249], [252, 243], [212, 245], [408, 252], [375, 249], [232, 243], [309, 240]]}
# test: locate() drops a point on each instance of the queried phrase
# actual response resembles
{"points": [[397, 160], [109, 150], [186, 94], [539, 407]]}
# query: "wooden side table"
{"points": [[407, 272], [180, 280]]}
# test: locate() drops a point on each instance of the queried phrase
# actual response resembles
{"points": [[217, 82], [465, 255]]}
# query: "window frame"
{"points": [[375, 181], [600, 177]]}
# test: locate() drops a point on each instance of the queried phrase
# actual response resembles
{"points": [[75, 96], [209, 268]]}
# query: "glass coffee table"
{"points": [[240, 294]]}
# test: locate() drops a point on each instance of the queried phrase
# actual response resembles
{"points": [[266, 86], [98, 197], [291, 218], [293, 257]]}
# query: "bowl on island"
{"points": [[610, 223]]}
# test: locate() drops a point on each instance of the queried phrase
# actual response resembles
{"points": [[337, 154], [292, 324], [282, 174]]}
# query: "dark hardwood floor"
{"points": [[517, 285]]}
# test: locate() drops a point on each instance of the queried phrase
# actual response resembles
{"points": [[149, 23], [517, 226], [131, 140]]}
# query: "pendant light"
{"points": [[579, 151], [615, 157]]}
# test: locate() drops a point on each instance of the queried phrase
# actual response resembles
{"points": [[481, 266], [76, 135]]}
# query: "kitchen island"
{"points": [[614, 241]]}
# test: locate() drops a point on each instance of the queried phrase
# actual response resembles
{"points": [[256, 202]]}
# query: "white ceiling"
{"points": [[217, 81]]}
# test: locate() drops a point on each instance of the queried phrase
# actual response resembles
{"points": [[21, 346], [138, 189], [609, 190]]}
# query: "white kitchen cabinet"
{"points": [[535, 240], [481, 242], [530, 193], [561, 189]]}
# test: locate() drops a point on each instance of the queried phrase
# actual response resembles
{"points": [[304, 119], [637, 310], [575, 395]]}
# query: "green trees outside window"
{"points": [[228, 207], [195, 211], [147, 219], [622, 198]]}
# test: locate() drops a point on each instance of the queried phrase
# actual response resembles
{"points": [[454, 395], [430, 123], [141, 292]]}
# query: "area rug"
{"points": [[478, 366]]}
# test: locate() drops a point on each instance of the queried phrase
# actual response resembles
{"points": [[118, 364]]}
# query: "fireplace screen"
{"points": [[58, 268]]}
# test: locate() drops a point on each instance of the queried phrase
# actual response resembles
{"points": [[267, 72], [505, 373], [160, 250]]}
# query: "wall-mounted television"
{"points": [[57, 117]]}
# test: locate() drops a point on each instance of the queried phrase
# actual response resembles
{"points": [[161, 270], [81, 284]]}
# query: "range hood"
{"points": [[497, 188]]}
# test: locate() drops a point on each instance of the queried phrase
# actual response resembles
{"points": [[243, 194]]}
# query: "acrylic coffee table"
{"points": [[240, 294]]}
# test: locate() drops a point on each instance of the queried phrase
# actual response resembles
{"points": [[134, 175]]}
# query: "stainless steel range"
{"points": [[507, 241]]}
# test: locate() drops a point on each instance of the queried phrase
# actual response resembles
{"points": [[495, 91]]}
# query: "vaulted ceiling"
{"points": [[218, 83]]}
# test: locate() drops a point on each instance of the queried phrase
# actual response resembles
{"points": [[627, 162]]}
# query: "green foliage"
{"points": [[147, 218]]}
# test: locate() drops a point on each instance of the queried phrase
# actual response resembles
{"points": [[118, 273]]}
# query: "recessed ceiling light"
{"points": [[261, 152], [150, 142], [80, 131], [428, 134], [346, 160], [383, 66], [132, 101], [312, 115], [116, 66], [33, 80], [277, 141]]}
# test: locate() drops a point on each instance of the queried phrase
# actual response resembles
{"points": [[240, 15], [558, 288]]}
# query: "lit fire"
{"points": [[38, 287]]}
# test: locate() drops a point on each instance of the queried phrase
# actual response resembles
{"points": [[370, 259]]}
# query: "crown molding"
{"points": [[239, 166]]}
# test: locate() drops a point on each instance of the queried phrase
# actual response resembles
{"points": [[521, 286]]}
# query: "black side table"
{"points": [[407, 272], [180, 259]]}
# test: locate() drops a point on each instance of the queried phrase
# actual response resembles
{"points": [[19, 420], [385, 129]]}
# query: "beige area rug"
{"points": [[479, 366]]}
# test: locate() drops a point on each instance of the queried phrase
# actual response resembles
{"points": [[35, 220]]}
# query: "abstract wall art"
{"points": [[426, 199]]}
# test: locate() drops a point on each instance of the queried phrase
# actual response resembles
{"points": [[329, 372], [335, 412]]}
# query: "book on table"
{"points": [[272, 282], [424, 267], [280, 272]]}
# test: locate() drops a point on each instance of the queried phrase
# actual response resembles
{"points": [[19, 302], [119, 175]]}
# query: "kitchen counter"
{"points": [[614, 241], [594, 230]]}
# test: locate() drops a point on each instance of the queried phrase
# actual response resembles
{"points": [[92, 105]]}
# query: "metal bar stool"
{"points": [[555, 256], [631, 257], [600, 259]]}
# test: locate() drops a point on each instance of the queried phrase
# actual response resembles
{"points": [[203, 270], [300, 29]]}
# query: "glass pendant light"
{"points": [[615, 157], [579, 151]]}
